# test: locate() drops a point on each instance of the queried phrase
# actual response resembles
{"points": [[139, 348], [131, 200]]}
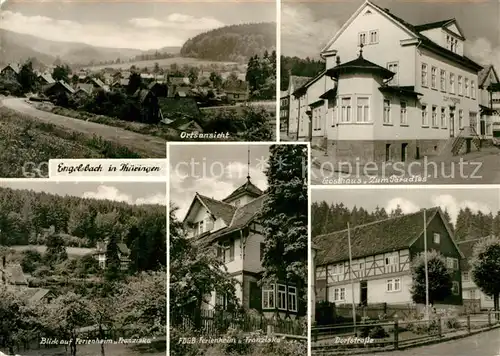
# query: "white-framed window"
{"points": [[473, 119], [467, 93], [339, 294], [443, 117], [394, 285], [437, 238], [387, 111], [460, 89], [373, 36], [292, 299], [198, 228], [473, 89], [345, 110], [227, 251], [393, 67], [452, 83], [404, 116], [362, 38], [442, 80], [362, 269], [363, 109], [391, 264], [452, 263], [472, 294], [466, 276], [460, 118], [455, 288], [434, 116], [281, 297], [425, 118], [268, 297], [433, 77], [423, 74]]}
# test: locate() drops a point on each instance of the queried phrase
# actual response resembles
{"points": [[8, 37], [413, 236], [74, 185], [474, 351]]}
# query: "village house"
{"points": [[150, 110], [489, 102], [474, 299], [81, 94], [381, 253], [58, 88], [181, 114], [230, 228], [87, 87], [10, 71], [96, 83], [284, 110], [392, 91], [123, 254], [295, 82], [236, 90], [45, 79]]}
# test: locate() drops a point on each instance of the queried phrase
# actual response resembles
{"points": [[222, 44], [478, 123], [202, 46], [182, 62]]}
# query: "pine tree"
{"points": [[113, 270], [284, 218], [396, 212]]}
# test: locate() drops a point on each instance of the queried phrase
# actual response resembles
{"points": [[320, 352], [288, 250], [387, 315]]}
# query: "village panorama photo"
{"points": [[238, 249], [404, 268], [393, 92], [85, 79], [82, 268]]}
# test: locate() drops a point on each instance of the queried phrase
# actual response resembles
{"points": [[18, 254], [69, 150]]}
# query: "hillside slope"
{"points": [[235, 43]]}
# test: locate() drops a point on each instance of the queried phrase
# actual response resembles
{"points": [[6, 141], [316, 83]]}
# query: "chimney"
{"points": [[4, 259], [338, 60]]}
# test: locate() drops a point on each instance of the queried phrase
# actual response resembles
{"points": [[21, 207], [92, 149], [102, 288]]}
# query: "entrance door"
{"points": [[452, 123], [387, 152], [404, 152], [363, 293], [483, 128]]}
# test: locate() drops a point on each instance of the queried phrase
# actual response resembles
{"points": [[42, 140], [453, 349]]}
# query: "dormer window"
{"points": [[198, 228]]}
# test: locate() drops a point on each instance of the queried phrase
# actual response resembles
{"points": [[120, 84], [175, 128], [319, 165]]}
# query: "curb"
{"points": [[409, 346]]}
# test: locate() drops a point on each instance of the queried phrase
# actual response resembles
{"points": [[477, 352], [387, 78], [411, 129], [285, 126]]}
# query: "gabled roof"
{"points": [[243, 216], [432, 25], [15, 275], [142, 94], [66, 86], [247, 188], [236, 86], [14, 66], [47, 77], [218, 209], [33, 295], [467, 249], [179, 107], [484, 74], [85, 86], [359, 65], [299, 91], [297, 81], [374, 238]]}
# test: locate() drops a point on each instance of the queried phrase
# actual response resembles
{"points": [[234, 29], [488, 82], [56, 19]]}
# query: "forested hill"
{"points": [[25, 216], [235, 43]]}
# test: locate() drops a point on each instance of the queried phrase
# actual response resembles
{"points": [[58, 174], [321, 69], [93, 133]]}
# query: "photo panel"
{"points": [[416, 266], [238, 249], [83, 268], [392, 91], [120, 79]]}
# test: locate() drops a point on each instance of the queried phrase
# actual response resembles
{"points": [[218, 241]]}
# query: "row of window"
{"points": [[447, 83], [476, 294], [452, 43], [368, 37], [279, 296], [442, 119], [362, 109]]}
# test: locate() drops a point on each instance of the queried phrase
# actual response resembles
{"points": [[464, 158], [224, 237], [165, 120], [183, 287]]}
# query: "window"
{"points": [[339, 294], [434, 116], [281, 297], [393, 67], [226, 251], [363, 110], [404, 117], [467, 93], [460, 119], [455, 289], [425, 119], [374, 36], [460, 92], [387, 111], [424, 75], [221, 300], [361, 269], [345, 111], [466, 276], [433, 77], [443, 117], [391, 264], [472, 294], [268, 297], [362, 38], [473, 89], [394, 285], [442, 80], [473, 119], [437, 238], [198, 228], [452, 83], [337, 271], [292, 299], [452, 263]]}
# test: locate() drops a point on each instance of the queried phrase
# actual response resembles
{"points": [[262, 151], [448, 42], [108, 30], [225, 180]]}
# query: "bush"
{"points": [[31, 260], [453, 323], [42, 271]]}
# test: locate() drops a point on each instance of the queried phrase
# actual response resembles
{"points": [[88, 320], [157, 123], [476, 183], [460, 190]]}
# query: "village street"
{"points": [[151, 146], [483, 344]]}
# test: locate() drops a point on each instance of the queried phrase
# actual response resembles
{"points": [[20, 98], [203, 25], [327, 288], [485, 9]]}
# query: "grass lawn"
{"points": [[26, 145]]}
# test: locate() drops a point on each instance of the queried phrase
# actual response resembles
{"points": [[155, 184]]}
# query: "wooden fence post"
{"points": [[468, 323], [440, 328], [396, 334], [489, 318]]}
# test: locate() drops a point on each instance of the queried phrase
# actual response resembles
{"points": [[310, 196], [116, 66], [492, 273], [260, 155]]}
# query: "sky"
{"points": [[140, 24], [213, 170], [306, 26], [131, 193], [413, 199]]}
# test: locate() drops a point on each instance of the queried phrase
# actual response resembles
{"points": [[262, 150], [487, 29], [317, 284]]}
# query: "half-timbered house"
{"points": [[382, 252]]}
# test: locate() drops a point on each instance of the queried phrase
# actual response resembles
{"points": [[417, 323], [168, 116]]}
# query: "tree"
{"points": [[56, 250], [113, 264], [75, 79], [439, 277], [486, 268], [61, 72], [193, 74], [27, 77], [134, 83], [397, 212], [256, 125], [31, 260], [284, 218], [216, 79]]}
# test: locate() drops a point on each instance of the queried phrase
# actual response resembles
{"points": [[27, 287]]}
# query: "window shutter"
{"points": [[231, 250], [255, 296]]}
